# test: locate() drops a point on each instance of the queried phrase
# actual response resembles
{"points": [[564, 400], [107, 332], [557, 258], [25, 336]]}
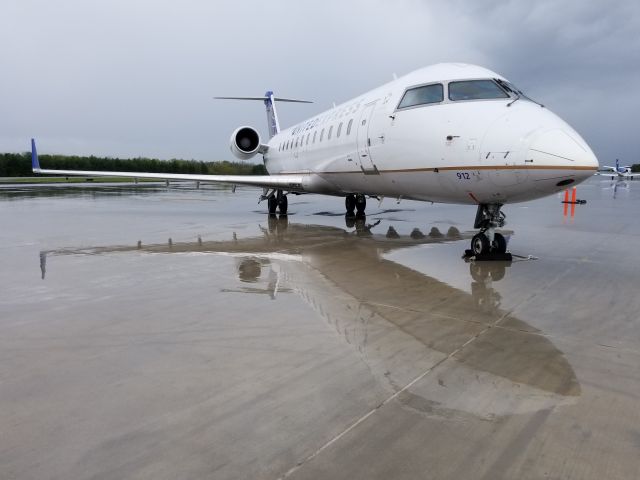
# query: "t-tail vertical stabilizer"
{"points": [[272, 114], [35, 163]]}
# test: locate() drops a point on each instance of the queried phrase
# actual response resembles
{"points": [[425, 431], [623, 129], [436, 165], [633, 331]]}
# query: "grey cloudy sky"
{"points": [[135, 77]]}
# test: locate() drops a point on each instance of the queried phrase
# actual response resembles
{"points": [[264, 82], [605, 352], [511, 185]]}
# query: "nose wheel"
{"points": [[487, 241], [480, 244]]}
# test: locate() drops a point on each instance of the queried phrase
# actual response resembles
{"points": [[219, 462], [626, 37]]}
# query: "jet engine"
{"points": [[245, 143]]}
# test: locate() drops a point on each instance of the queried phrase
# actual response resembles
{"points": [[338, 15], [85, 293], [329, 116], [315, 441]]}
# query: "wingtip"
{"points": [[35, 163]]}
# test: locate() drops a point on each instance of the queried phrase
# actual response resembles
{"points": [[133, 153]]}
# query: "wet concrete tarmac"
{"points": [[154, 333]]}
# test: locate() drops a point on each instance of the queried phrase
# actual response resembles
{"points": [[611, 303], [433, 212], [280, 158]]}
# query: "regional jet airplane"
{"points": [[618, 172], [447, 133]]}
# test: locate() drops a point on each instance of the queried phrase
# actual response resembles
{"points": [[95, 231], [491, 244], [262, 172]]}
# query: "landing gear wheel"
{"points": [[361, 203], [272, 203], [283, 204], [350, 203], [480, 244], [499, 243]]}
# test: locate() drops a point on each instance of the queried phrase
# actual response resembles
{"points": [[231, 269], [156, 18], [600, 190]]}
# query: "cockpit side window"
{"points": [[422, 96], [475, 90]]}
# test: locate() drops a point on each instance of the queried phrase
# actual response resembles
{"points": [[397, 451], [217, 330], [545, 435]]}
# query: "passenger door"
{"points": [[365, 162]]}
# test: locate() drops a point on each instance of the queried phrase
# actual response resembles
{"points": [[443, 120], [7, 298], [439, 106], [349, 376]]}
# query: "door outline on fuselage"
{"points": [[365, 162]]}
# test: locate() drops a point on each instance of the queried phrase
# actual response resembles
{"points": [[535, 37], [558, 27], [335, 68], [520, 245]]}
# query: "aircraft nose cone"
{"points": [[562, 149]]}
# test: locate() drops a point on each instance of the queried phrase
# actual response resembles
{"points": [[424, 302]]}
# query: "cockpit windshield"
{"points": [[463, 90], [475, 90], [422, 95]]}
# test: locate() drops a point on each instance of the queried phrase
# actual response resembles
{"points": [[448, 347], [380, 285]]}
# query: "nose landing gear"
{"points": [[488, 241]]}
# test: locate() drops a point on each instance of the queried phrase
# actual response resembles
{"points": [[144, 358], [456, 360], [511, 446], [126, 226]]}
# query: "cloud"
{"points": [[127, 78]]}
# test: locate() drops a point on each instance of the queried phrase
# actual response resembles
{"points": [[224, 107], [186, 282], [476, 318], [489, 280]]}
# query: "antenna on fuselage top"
{"points": [[269, 102]]}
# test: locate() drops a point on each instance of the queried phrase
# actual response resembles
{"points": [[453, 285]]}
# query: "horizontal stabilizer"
{"points": [[270, 103], [277, 99]]}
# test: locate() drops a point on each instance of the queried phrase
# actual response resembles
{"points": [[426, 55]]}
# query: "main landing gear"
{"points": [[355, 203], [488, 241], [277, 201]]}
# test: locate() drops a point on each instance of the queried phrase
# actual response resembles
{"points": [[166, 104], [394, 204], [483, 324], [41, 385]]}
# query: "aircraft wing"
{"points": [[285, 182], [620, 176]]}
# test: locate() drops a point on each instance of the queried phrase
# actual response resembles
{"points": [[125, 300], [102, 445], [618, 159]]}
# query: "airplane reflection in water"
{"points": [[402, 323]]}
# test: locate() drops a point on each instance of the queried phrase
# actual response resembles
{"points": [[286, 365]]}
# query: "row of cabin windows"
{"points": [[300, 140], [483, 89]]}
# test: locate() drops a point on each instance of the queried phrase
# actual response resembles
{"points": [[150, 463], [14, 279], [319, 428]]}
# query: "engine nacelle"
{"points": [[245, 143]]}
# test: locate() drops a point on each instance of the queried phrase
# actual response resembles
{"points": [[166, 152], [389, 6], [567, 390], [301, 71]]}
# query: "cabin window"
{"points": [[329, 134], [349, 126], [339, 130], [423, 95], [475, 90], [296, 142], [314, 136], [322, 134], [308, 135]]}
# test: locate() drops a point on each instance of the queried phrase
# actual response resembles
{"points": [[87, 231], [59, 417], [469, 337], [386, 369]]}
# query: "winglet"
{"points": [[35, 164]]}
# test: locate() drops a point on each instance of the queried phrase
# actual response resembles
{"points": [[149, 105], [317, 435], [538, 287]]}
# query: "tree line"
{"points": [[19, 165]]}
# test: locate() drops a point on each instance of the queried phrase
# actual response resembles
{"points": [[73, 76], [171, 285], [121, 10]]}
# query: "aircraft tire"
{"points": [[350, 203], [283, 204], [361, 203], [272, 203], [499, 243], [480, 244]]}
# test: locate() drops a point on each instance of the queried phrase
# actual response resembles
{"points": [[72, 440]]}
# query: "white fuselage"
{"points": [[456, 151]]}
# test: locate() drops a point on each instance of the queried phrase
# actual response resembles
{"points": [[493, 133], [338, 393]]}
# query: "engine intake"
{"points": [[245, 142]]}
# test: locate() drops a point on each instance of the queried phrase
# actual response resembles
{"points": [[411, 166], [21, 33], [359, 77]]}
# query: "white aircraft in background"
{"points": [[447, 133], [618, 172]]}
